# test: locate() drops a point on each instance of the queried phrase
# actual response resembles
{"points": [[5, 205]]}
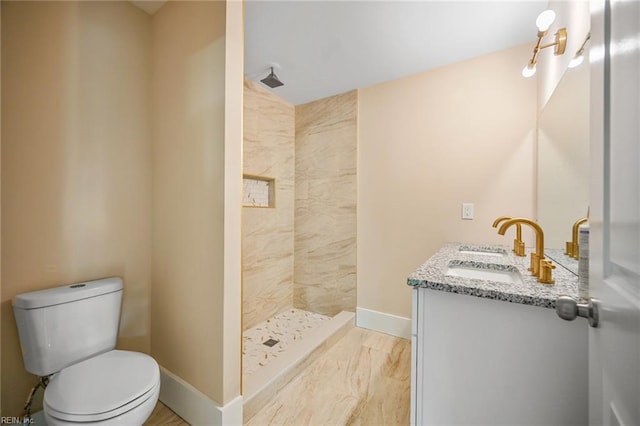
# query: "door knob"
{"points": [[569, 309]]}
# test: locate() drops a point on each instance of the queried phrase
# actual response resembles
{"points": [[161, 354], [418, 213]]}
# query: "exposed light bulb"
{"points": [[528, 71], [545, 19], [576, 61]]}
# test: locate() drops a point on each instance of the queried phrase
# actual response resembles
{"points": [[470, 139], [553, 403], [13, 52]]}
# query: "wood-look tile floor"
{"points": [[162, 415], [364, 379]]}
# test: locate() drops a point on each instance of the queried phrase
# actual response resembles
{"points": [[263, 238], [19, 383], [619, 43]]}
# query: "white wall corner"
{"points": [[385, 323], [194, 406]]}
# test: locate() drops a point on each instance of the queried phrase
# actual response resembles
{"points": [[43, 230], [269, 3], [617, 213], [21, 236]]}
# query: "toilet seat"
{"points": [[102, 387]]}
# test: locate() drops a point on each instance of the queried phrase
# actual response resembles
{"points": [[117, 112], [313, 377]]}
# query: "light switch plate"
{"points": [[467, 211]]}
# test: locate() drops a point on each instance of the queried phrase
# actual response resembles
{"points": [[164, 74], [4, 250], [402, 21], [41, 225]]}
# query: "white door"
{"points": [[614, 347]]}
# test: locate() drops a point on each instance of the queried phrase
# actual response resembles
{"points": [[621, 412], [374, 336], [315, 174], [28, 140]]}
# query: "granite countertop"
{"points": [[431, 275]]}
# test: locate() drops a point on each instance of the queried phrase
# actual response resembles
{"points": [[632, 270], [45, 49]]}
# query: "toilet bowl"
{"points": [[117, 387]]}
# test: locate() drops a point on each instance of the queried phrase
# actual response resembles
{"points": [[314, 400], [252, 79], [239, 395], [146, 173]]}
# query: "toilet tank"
{"points": [[64, 325]]}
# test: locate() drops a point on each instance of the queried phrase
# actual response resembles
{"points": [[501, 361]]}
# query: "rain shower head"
{"points": [[272, 80]]}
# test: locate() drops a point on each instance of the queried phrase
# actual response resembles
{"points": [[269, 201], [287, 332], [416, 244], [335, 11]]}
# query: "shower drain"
{"points": [[271, 342]]}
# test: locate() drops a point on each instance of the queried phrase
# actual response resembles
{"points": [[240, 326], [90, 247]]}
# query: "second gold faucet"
{"points": [[573, 249]]}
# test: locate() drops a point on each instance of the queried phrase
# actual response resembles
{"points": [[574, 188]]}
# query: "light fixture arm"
{"points": [[537, 48], [581, 50], [560, 42]]}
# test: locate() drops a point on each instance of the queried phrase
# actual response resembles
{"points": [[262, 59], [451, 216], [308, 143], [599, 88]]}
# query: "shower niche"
{"points": [[258, 191]]}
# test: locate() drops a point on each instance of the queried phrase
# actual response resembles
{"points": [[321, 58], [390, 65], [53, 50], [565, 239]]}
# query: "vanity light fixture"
{"points": [[543, 22], [579, 57]]}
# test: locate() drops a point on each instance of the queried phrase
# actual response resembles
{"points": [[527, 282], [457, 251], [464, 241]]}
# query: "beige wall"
{"points": [[232, 298], [325, 211], [267, 240], [76, 161], [188, 311], [427, 143]]}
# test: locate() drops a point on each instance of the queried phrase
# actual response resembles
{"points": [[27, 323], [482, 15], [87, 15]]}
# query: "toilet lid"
{"points": [[102, 384]]}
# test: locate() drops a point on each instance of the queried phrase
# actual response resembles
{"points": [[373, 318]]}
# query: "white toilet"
{"points": [[69, 333]]}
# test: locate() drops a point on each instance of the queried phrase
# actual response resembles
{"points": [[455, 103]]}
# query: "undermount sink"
{"points": [[484, 271], [483, 251]]}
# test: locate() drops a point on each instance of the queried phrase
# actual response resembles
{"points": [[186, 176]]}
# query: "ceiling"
{"points": [[322, 48]]}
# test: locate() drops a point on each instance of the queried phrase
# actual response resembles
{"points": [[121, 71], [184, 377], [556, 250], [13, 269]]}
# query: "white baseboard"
{"points": [[384, 323], [194, 406]]}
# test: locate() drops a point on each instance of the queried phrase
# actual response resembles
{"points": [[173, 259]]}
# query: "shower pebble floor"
{"points": [[287, 327]]}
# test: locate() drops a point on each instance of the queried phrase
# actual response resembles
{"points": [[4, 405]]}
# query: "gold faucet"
{"points": [[540, 267], [518, 244], [546, 270], [572, 246]]}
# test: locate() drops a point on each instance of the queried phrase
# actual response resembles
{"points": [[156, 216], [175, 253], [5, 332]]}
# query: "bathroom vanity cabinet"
{"points": [[492, 353]]}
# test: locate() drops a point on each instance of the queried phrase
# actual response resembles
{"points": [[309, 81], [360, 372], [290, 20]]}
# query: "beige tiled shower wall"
{"points": [[267, 233], [325, 204]]}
